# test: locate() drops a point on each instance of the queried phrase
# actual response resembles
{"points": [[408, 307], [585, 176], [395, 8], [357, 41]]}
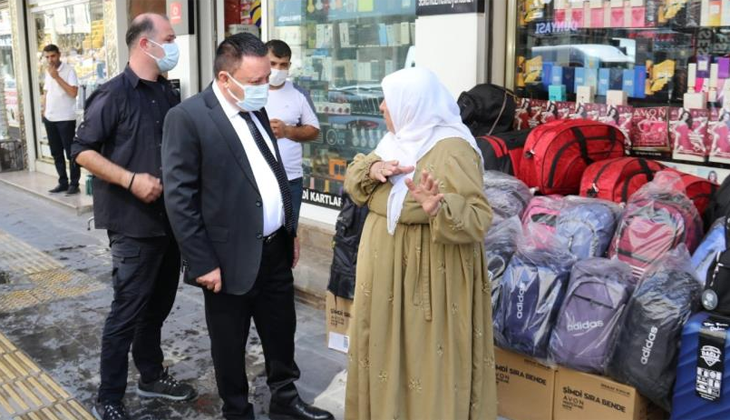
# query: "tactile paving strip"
{"points": [[44, 279], [28, 393]]}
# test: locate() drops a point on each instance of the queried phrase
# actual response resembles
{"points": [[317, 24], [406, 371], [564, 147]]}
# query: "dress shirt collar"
{"points": [[228, 108]]}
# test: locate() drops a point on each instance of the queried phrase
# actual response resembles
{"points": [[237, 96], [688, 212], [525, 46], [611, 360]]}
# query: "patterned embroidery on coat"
{"points": [[478, 333], [364, 363], [454, 308], [383, 376], [415, 385], [440, 350]]}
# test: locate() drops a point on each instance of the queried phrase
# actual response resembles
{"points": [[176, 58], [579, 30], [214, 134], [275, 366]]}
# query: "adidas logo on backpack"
{"points": [[646, 350], [587, 325]]}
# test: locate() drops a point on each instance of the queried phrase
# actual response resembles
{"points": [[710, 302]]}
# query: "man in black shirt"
{"points": [[119, 142]]}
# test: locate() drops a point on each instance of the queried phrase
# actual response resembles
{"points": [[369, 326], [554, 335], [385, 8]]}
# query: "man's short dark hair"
{"points": [[142, 25], [52, 48], [279, 48], [229, 53]]}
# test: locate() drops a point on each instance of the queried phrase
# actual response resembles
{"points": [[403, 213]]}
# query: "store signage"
{"points": [[322, 199], [547, 28], [181, 15], [448, 7]]}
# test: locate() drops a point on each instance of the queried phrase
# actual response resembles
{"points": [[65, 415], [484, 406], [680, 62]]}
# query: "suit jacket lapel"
{"points": [[224, 126]]}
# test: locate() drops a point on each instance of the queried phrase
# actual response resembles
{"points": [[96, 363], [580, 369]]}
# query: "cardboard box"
{"points": [[525, 387], [581, 396], [339, 313]]}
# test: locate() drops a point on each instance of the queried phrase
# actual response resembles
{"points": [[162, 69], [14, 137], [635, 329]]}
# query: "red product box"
{"points": [[549, 113], [718, 133], [620, 117], [597, 18], [537, 107], [565, 110], [650, 131], [595, 111], [617, 17], [638, 17], [578, 17], [522, 114], [688, 134]]}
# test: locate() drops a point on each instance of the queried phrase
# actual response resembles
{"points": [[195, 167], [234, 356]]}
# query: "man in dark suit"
{"points": [[230, 207]]}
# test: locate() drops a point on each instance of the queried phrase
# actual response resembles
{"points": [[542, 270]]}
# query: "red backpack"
{"points": [[699, 190], [557, 153], [617, 179], [658, 218], [503, 152]]}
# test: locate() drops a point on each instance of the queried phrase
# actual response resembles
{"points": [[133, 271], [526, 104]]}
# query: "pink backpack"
{"points": [[657, 219], [542, 212]]}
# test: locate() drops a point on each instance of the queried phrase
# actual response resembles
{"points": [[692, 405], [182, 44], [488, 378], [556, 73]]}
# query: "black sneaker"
{"points": [[59, 188], [110, 411], [166, 387], [74, 189]]}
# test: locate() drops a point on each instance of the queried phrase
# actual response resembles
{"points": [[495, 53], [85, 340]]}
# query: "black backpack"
{"points": [[716, 296], [646, 351], [719, 205], [487, 109], [345, 245]]}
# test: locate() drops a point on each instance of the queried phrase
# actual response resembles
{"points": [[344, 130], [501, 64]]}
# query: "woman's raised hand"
{"points": [[381, 170], [426, 193]]}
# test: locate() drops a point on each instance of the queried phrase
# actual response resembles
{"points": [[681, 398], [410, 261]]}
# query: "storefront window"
{"points": [[78, 31], [242, 16], [654, 51], [9, 125], [342, 49]]}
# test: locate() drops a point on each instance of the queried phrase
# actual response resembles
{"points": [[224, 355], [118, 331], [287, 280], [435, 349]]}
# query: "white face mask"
{"points": [[278, 77]]}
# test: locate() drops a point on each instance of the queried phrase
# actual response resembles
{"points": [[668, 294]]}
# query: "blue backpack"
{"points": [[588, 226], [591, 314], [532, 292], [706, 253], [500, 244]]}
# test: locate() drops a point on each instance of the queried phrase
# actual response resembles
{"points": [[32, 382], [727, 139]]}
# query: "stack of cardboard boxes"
{"points": [[530, 390]]}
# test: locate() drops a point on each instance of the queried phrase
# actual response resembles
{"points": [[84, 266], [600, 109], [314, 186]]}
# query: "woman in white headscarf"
{"points": [[421, 338]]}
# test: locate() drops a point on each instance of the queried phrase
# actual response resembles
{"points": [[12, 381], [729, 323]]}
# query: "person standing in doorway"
{"points": [[120, 142], [292, 119], [59, 117]]}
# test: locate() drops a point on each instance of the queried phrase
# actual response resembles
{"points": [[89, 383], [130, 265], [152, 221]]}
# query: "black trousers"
{"points": [[145, 273], [60, 136], [271, 305]]}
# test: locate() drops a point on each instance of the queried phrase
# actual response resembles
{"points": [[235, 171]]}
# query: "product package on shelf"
{"points": [[591, 314], [565, 109], [533, 288], [507, 195], [688, 134], [649, 340], [595, 112], [537, 108], [718, 132], [649, 132], [620, 116], [522, 114], [658, 218], [549, 113]]}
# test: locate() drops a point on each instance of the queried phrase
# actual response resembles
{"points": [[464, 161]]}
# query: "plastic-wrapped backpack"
{"points": [[591, 314], [507, 195], [588, 225], [532, 292], [712, 244], [541, 217], [658, 218], [500, 245], [649, 340]]}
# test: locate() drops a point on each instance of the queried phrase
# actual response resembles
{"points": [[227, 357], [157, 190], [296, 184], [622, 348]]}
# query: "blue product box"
{"points": [[556, 76], [640, 82], [591, 78], [604, 78], [546, 74], [615, 82], [628, 82], [569, 78], [558, 93], [580, 77]]}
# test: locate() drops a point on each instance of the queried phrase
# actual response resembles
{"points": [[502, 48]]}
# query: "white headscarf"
{"points": [[423, 113]]}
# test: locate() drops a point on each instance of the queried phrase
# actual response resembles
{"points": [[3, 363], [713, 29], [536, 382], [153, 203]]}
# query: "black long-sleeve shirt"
{"points": [[123, 121]]}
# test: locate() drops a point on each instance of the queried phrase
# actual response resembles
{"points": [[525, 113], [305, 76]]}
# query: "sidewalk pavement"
{"points": [[55, 293]]}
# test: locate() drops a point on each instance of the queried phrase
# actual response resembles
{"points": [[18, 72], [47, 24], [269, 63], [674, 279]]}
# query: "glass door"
{"points": [[77, 28]]}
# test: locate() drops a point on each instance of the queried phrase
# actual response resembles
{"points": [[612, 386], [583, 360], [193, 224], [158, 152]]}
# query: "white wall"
{"points": [[453, 46]]}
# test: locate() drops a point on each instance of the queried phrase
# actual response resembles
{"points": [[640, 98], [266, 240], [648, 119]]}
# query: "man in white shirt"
{"points": [[59, 117], [292, 118]]}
